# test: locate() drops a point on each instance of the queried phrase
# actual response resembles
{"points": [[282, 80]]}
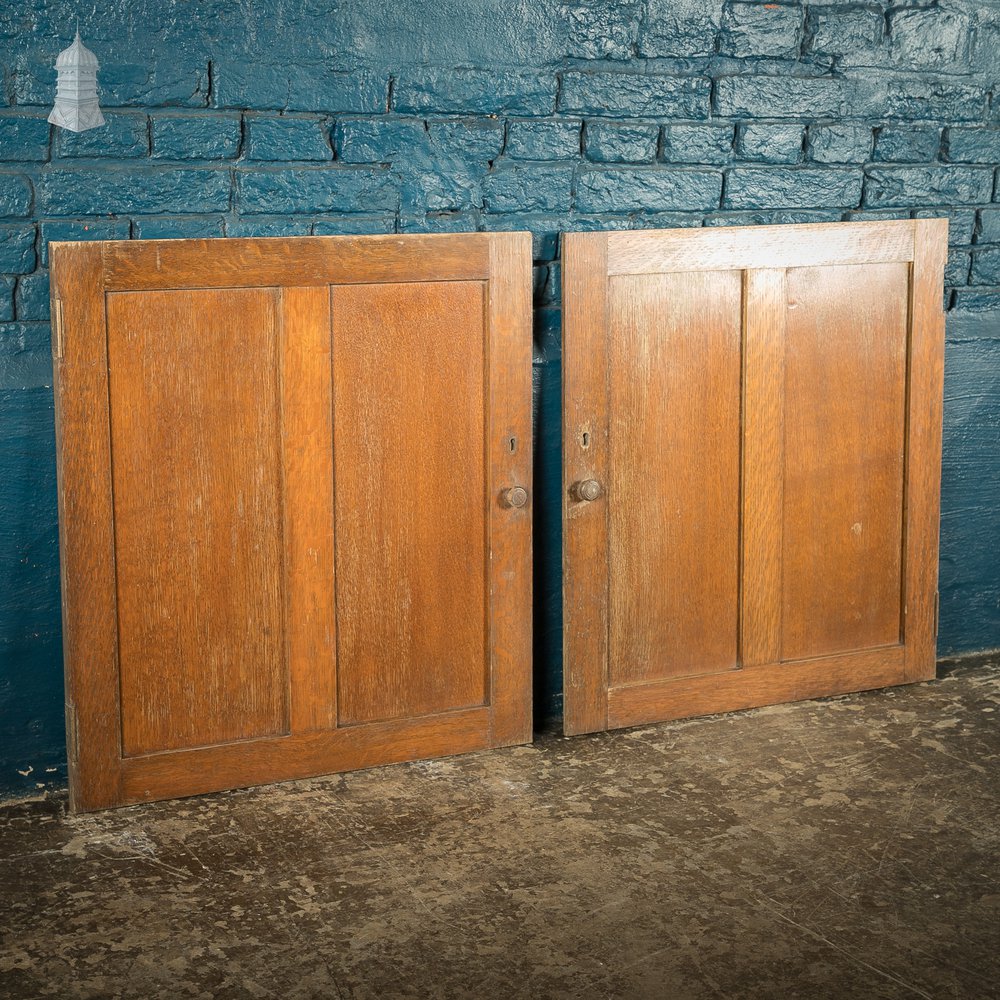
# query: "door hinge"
{"points": [[57, 329], [937, 610], [72, 733]]}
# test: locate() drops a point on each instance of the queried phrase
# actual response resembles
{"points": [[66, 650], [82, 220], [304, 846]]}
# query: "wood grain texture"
{"points": [[230, 402], [674, 473], [255, 762], [923, 467], [195, 441], [844, 419], [307, 464], [764, 298], [510, 456], [751, 687], [86, 540], [832, 408], [297, 260], [585, 456], [410, 473], [741, 247]]}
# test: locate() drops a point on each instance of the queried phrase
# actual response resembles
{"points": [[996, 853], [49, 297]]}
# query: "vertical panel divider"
{"points": [[307, 460], [923, 447], [764, 305], [86, 529], [508, 419], [585, 523]]}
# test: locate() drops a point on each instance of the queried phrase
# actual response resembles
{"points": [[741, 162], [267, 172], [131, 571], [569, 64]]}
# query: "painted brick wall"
{"points": [[315, 116]]}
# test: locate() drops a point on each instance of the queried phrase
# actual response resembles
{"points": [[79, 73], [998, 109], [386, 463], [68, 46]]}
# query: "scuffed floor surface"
{"points": [[838, 849]]}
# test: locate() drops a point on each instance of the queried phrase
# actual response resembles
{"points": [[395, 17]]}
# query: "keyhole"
{"points": [[512, 442], [585, 439]]}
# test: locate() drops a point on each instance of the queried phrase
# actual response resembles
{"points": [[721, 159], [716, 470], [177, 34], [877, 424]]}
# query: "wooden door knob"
{"points": [[514, 496], [587, 489]]}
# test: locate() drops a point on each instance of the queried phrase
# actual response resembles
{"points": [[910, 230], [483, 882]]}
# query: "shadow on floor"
{"points": [[847, 848]]}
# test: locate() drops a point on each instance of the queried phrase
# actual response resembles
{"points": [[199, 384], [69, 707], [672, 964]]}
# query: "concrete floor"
{"points": [[838, 849]]}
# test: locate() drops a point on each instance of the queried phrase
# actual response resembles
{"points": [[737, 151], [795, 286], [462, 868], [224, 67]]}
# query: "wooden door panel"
{"points": [[674, 447], [411, 571], [286, 542], [809, 356], [844, 447], [196, 477]]}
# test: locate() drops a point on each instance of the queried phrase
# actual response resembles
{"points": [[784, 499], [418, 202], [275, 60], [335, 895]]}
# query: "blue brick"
{"points": [[840, 143], [631, 94], [521, 188], [122, 136], [761, 29], [174, 82], [680, 30], [355, 225], [31, 300], [956, 270], [900, 187], [608, 142], [666, 220], [985, 267], [792, 187], [780, 217], [63, 231], [389, 139], [918, 98], [977, 300], [25, 360], [6, 298], [907, 143], [422, 188], [989, 226], [519, 92], [854, 35], [974, 145], [647, 189], [440, 222], [316, 189], [770, 143], [379, 140], [196, 137], [286, 139], [255, 226], [961, 222], [467, 140], [297, 86], [165, 227], [558, 139], [15, 195], [697, 143], [86, 191], [17, 249], [597, 30], [929, 39], [781, 97], [23, 138]]}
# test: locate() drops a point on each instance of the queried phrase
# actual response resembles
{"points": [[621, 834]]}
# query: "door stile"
{"points": [[762, 474], [586, 568], [922, 496], [509, 467], [87, 552]]}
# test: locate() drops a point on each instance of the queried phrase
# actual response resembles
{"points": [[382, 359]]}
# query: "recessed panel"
{"points": [[195, 452], [845, 381], [674, 487], [410, 498]]}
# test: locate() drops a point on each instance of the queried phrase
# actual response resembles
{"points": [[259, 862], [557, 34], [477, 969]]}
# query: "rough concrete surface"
{"points": [[832, 849]]}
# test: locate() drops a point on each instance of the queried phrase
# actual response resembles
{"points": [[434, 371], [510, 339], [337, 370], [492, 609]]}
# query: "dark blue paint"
{"points": [[310, 116]]}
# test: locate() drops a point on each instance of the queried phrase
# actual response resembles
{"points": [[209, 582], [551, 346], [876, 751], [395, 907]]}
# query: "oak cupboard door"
{"points": [[294, 487], [752, 435]]}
